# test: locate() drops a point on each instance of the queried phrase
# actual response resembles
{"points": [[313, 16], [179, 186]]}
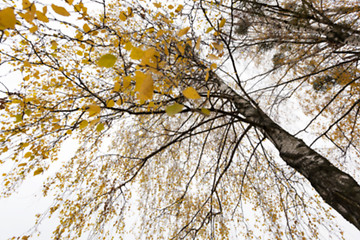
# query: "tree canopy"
{"points": [[184, 114]]}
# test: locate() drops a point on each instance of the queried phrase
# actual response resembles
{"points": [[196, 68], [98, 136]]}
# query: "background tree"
{"points": [[312, 42], [165, 122]]}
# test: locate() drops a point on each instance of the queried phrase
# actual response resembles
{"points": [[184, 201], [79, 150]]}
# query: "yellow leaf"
{"points": [[179, 8], [144, 85], [119, 102], [60, 10], [26, 4], [130, 12], [7, 19], [218, 46], [79, 36], [27, 64], [22, 164], [94, 110], [157, 5], [28, 112], [70, 2], [110, 103], [107, 60], [205, 111], [198, 42], [213, 66], [183, 31], [209, 29], [33, 29], [77, 7], [126, 82], [136, 53], [86, 28], [56, 126], [174, 109], [213, 57], [222, 23], [166, 50], [54, 45], [207, 75], [83, 124], [94, 121], [29, 15], [116, 87], [18, 118], [25, 145], [148, 57], [150, 52], [38, 171], [28, 154], [139, 78], [41, 16], [122, 16], [128, 46], [100, 127], [191, 93]]}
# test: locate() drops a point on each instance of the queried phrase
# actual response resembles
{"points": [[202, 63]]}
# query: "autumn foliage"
{"points": [[152, 94]]}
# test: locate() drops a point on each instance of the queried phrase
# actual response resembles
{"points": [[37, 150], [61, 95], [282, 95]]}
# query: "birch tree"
{"points": [[170, 129]]}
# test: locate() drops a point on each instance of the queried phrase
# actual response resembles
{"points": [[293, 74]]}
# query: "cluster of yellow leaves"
{"points": [[8, 17], [90, 83], [143, 78]]}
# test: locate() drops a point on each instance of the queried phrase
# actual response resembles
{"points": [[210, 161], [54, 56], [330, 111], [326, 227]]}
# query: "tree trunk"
{"points": [[336, 187]]}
